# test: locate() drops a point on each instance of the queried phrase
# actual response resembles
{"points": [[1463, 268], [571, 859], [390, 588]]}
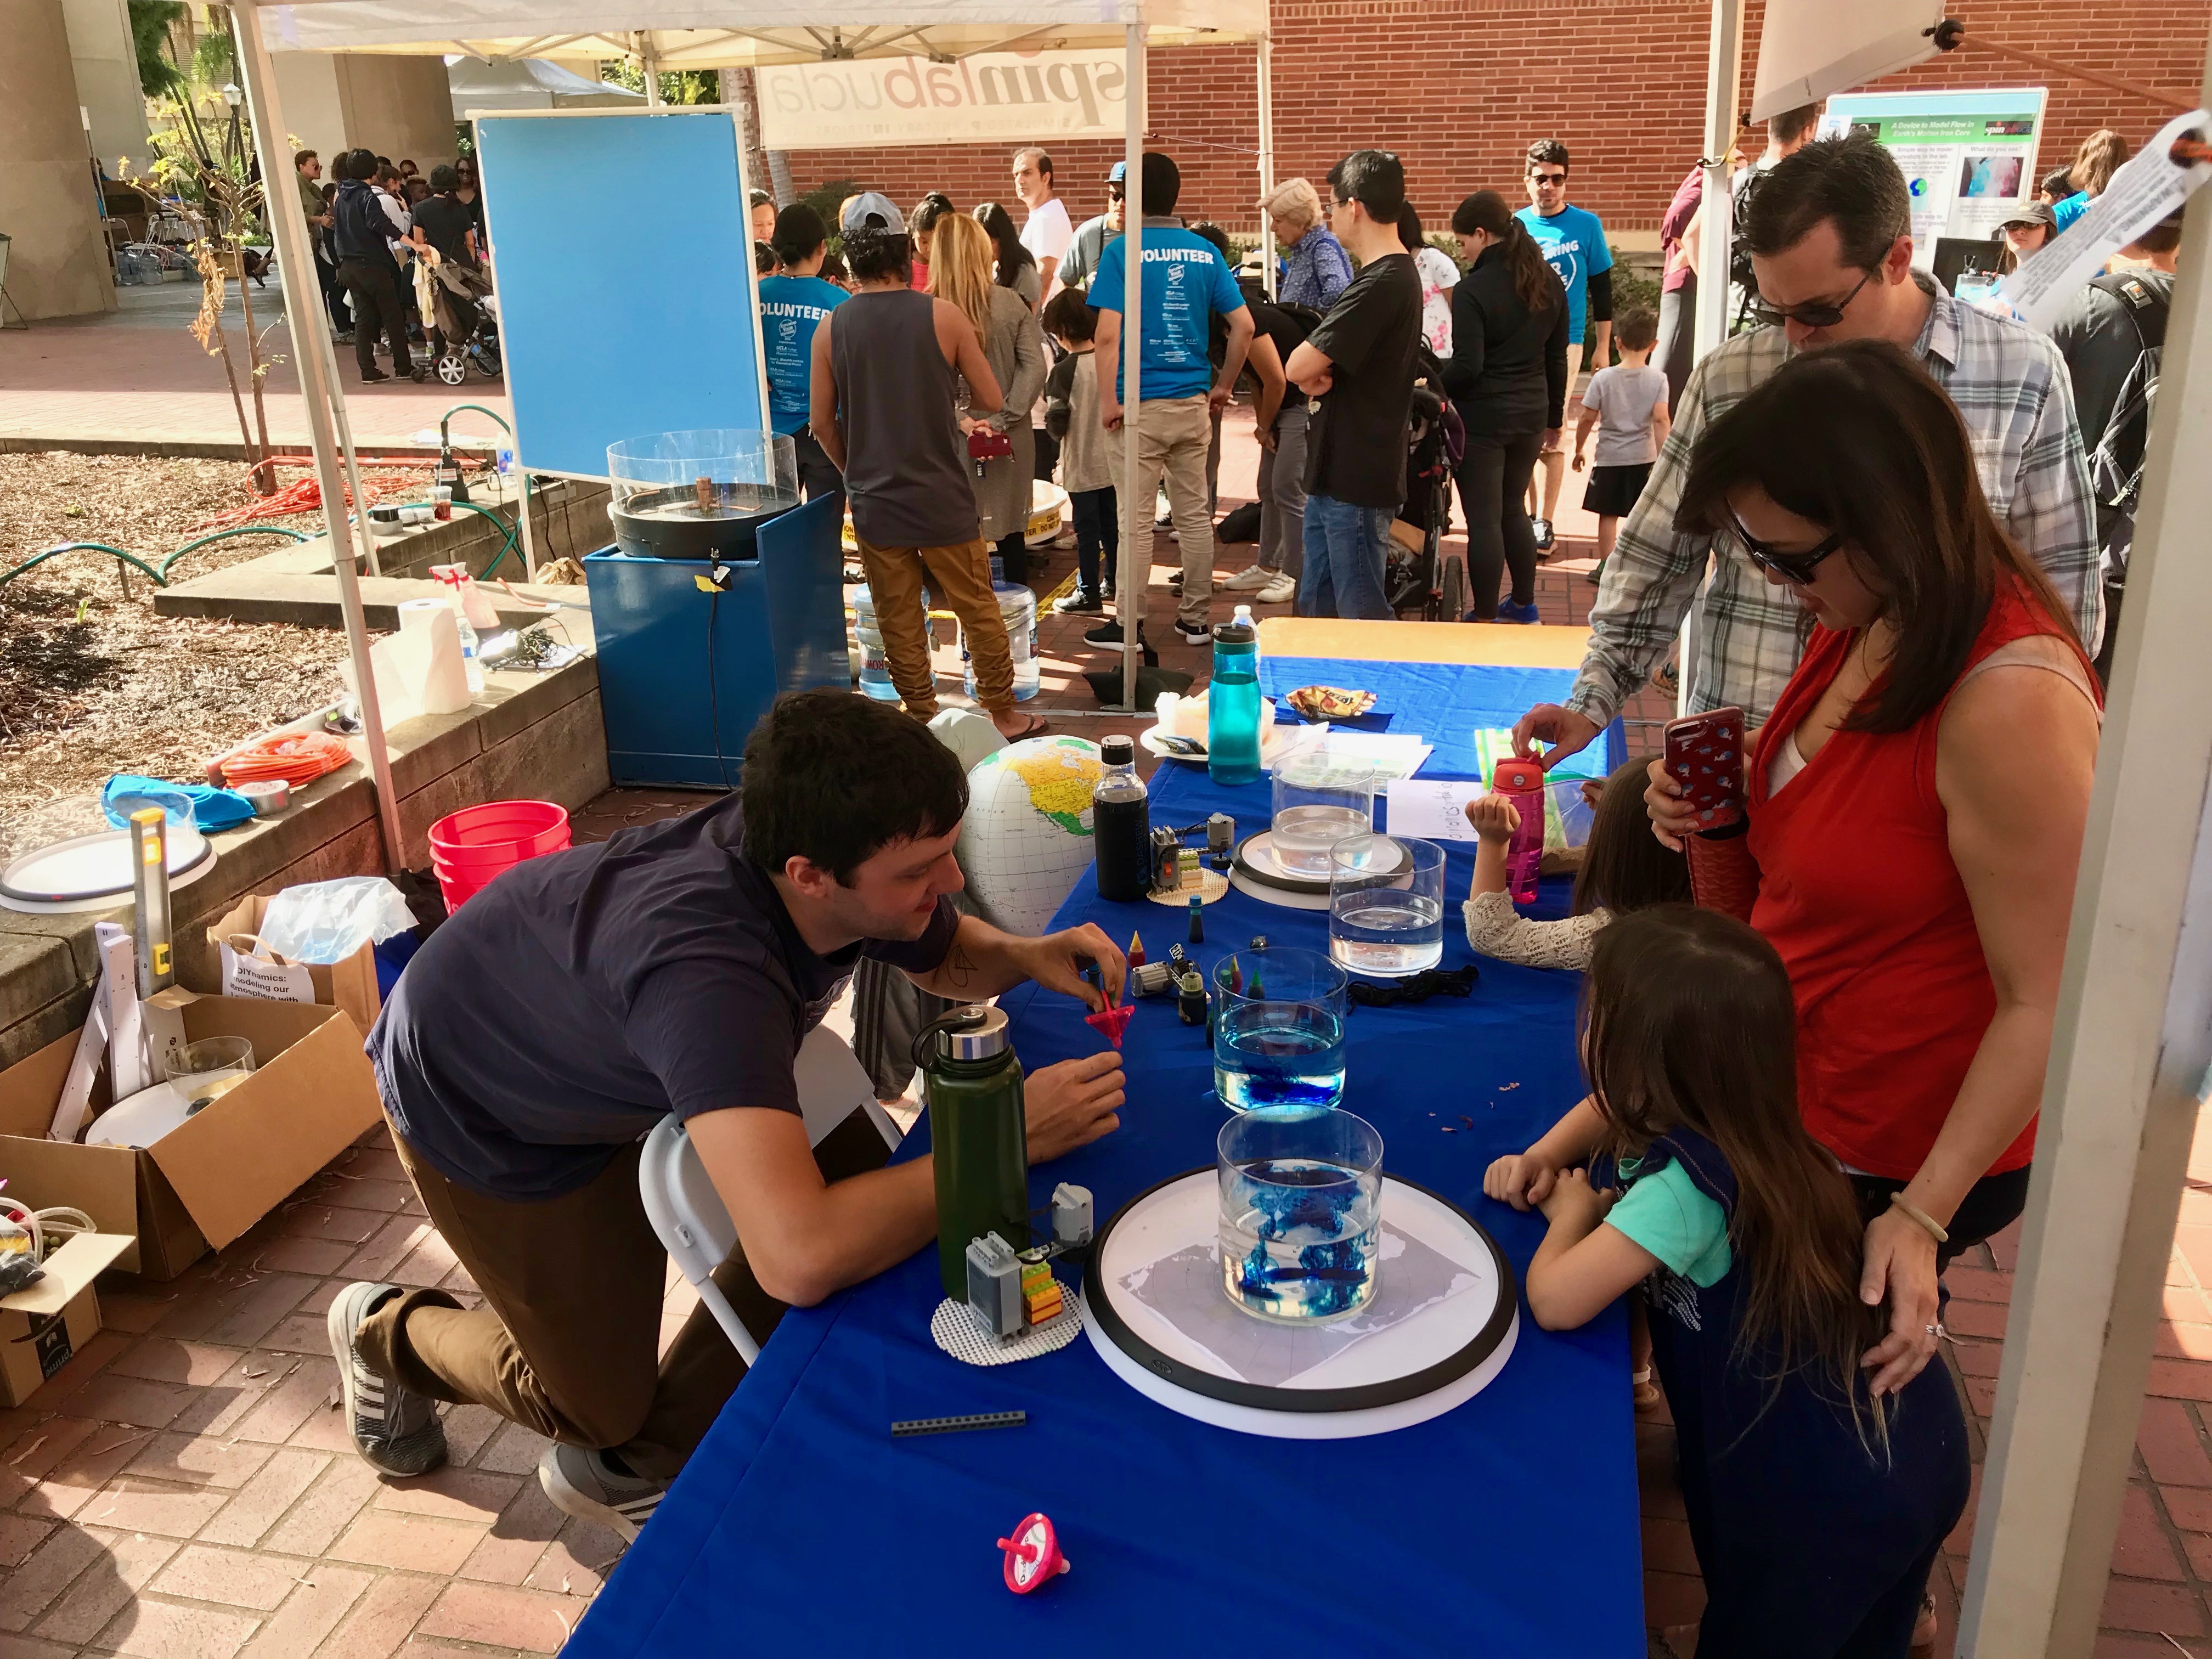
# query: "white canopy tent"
{"points": [[529, 83]]}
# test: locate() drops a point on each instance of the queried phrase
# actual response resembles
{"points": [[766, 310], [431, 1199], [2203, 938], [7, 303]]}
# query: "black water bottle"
{"points": [[1121, 823]]}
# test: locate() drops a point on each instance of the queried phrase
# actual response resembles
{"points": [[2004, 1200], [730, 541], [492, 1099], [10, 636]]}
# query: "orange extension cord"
{"points": [[297, 759]]}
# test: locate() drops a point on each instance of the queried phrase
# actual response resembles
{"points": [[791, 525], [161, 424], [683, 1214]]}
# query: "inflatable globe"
{"points": [[1026, 838]]}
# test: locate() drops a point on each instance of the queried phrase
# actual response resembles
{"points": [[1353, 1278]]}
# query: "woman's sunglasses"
{"points": [[1818, 314], [1794, 568]]}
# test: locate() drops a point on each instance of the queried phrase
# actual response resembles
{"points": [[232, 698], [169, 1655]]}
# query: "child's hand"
{"points": [[1493, 817], [1572, 1199], [1578, 460], [1523, 1180]]}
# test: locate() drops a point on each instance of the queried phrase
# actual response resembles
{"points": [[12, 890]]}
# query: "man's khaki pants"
{"points": [[568, 1342], [1172, 437], [960, 577]]}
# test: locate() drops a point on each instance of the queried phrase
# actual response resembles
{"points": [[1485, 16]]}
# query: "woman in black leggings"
{"points": [[1508, 377]]}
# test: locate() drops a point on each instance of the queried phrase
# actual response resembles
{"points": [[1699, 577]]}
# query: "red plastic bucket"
{"points": [[470, 847]]}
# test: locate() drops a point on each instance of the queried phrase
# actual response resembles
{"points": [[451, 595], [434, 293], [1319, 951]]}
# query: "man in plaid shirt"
{"points": [[1829, 233]]}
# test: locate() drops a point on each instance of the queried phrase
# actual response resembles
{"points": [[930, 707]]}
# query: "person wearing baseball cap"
{"points": [[1080, 263], [2028, 230]]}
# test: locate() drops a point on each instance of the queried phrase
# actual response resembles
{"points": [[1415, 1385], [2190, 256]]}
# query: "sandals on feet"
{"points": [[1924, 1628], [1037, 727]]}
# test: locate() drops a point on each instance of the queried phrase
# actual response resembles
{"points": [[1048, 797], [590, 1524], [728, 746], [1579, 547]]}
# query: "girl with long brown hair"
{"points": [[1816, 1506], [961, 272]]}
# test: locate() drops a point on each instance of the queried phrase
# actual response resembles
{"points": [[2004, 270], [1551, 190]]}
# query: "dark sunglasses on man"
{"points": [[1821, 313], [1794, 568]]}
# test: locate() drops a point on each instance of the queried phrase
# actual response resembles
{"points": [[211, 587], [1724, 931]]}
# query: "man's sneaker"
{"points": [[1194, 633], [1081, 600], [374, 377], [395, 1430], [1175, 582], [1251, 578], [1510, 612], [1110, 633], [1281, 590], [344, 336], [1543, 529], [582, 1483]]}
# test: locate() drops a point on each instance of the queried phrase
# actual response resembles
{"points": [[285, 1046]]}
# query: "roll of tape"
{"points": [[268, 795]]}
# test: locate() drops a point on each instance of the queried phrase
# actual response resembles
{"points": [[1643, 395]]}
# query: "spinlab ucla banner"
{"points": [[999, 97]]}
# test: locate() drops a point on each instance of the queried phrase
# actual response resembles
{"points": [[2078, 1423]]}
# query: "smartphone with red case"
{"points": [[1522, 783], [1705, 754]]}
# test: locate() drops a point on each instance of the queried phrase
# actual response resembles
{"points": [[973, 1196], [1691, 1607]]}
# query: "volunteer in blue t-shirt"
{"points": [[1573, 241], [1185, 284], [793, 305]]}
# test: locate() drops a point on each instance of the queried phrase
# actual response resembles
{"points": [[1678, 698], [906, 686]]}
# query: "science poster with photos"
{"points": [[1969, 158]]}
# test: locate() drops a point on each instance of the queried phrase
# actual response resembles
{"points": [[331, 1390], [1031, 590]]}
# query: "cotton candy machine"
{"points": [[701, 494]]}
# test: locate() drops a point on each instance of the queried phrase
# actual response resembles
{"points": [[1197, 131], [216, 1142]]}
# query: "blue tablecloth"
{"points": [[1507, 1527]]}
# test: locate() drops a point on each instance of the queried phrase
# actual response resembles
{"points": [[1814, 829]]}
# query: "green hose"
{"points": [[225, 535], [507, 429], [509, 531], [88, 547]]}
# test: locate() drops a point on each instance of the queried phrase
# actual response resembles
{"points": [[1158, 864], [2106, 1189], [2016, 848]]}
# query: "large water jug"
{"points": [[1017, 604], [875, 666]]}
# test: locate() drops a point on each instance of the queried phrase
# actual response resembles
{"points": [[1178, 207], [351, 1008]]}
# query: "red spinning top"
{"points": [[1111, 1023], [1032, 1555]]}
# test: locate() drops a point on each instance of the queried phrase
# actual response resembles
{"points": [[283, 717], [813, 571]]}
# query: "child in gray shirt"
{"points": [[1627, 405]]}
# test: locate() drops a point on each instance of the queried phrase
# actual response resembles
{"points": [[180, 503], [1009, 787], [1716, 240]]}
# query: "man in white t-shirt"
{"points": [[1048, 230]]}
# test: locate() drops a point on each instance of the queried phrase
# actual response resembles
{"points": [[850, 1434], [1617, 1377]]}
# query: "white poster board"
{"points": [[1003, 97], [1969, 158]]}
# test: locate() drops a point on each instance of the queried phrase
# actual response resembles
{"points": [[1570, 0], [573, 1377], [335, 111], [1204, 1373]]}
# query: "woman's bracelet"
{"points": [[1934, 1229]]}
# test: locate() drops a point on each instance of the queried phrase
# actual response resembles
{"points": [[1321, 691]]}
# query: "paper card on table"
{"points": [[1394, 754], [1433, 808]]}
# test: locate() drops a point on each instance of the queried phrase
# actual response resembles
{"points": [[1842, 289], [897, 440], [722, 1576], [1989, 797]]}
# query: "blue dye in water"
{"points": [[1278, 1054], [1330, 1275]]}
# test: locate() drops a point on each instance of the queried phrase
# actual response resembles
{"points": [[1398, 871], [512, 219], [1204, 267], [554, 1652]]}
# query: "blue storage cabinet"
{"points": [[685, 674]]}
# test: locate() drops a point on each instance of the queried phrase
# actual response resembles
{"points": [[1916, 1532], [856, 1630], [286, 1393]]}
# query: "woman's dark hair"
{"points": [[2096, 161], [1853, 182], [469, 163], [1207, 231], [2057, 183], [444, 179], [1410, 233], [1624, 866], [763, 259], [998, 225], [1689, 1022], [1536, 283], [876, 255], [833, 779], [799, 232], [1068, 316], [1857, 438], [927, 212], [833, 268]]}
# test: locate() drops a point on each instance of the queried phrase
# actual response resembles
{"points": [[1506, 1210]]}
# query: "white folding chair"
{"points": [[689, 1215]]}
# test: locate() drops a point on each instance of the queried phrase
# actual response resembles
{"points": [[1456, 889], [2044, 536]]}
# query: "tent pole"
{"points": [[2129, 1050], [1266, 159], [1723, 86], [319, 388], [649, 60], [1136, 556]]}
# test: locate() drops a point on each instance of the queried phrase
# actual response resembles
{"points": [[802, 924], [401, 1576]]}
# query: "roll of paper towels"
{"points": [[420, 670]]}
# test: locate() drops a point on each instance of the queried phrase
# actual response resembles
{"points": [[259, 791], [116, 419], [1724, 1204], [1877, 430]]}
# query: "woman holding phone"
{"points": [[1917, 803]]}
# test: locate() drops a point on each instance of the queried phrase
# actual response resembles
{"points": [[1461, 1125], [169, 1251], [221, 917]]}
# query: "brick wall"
{"points": [[1459, 86]]}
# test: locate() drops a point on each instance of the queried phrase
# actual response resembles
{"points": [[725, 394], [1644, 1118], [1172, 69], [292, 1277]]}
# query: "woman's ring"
{"points": [[1934, 1330]]}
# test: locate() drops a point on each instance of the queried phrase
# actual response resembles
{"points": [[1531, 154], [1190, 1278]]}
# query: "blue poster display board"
{"points": [[623, 250]]}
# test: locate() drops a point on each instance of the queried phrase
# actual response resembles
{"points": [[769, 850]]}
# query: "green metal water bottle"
{"points": [[978, 1136]]}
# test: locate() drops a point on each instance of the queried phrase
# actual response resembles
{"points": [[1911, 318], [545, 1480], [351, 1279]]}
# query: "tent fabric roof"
{"points": [[527, 83], [718, 33]]}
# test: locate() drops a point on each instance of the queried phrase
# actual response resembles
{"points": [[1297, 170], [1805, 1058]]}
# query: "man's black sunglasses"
{"points": [[1796, 568], [1817, 315]]}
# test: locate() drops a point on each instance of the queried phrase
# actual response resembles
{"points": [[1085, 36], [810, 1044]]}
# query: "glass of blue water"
{"points": [[1300, 1231], [1279, 1030], [1386, 905]]}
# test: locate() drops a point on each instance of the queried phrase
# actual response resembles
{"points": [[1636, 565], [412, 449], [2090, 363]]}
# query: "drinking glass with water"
{"points": [[1301, 1223], [1386, 905], [1318, 803], [1279, 1030]]}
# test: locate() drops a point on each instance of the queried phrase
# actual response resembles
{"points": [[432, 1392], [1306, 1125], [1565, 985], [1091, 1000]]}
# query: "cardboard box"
{"points": [[349, 985], [204, 1184], [43, 1324]]}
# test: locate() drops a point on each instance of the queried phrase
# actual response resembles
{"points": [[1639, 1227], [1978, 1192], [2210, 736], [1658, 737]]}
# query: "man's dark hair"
{"points": [[382, 161], [1161, 183], [301, 157], [2057, 183], [833, 778], [444, 177], [1068, 316], [1637, 329], [799, 233], [833, 268], [1043, 161], [875, 255], [1851, 181], [1221, 245], [760, 198], [1376, 179], [358, 164], [1551, 152], [1792, 124]]}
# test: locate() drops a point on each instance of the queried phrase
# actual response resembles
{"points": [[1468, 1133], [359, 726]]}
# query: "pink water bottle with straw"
{"points": [[1522, 783]]}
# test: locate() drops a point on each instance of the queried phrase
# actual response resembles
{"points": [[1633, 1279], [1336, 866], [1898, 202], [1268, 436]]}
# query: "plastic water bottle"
{"points": [[1232, 703], [469, 665], [1017, 604], [875, 666]]}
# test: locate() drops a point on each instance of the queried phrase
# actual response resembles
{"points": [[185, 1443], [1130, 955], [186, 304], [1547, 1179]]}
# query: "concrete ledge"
{"points": [[538, 736], [248, 594]]}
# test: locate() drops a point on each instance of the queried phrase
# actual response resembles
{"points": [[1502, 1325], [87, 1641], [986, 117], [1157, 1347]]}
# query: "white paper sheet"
{"points": [[1394, 754], [1433, 808]]}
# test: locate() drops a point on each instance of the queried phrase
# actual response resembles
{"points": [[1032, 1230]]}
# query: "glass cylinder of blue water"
{"points": [[1279, 1030], [1232, 703], [1300, 1232]]}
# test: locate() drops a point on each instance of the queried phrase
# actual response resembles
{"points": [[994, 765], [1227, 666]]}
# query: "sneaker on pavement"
{"points": [[1252, 578], [1510, 612], [582, 1483], [1543, 529], [1194, 633], [395, 1430], [1110, 633], [1281, 590], [1082, 601], [374, 377]]}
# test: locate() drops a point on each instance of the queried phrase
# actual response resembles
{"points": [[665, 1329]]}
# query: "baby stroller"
{"points": [[468, 323], [1416, 574]]}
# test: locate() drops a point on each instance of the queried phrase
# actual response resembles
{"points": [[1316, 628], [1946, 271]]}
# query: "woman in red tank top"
{"points": [[1917, 802]]}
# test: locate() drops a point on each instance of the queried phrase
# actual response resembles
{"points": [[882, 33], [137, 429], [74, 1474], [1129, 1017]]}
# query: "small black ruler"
{"points": [[955, 1425]]}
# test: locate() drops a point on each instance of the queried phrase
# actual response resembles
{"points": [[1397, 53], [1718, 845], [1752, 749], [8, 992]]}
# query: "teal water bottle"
{"points": [[1232, 705]]}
